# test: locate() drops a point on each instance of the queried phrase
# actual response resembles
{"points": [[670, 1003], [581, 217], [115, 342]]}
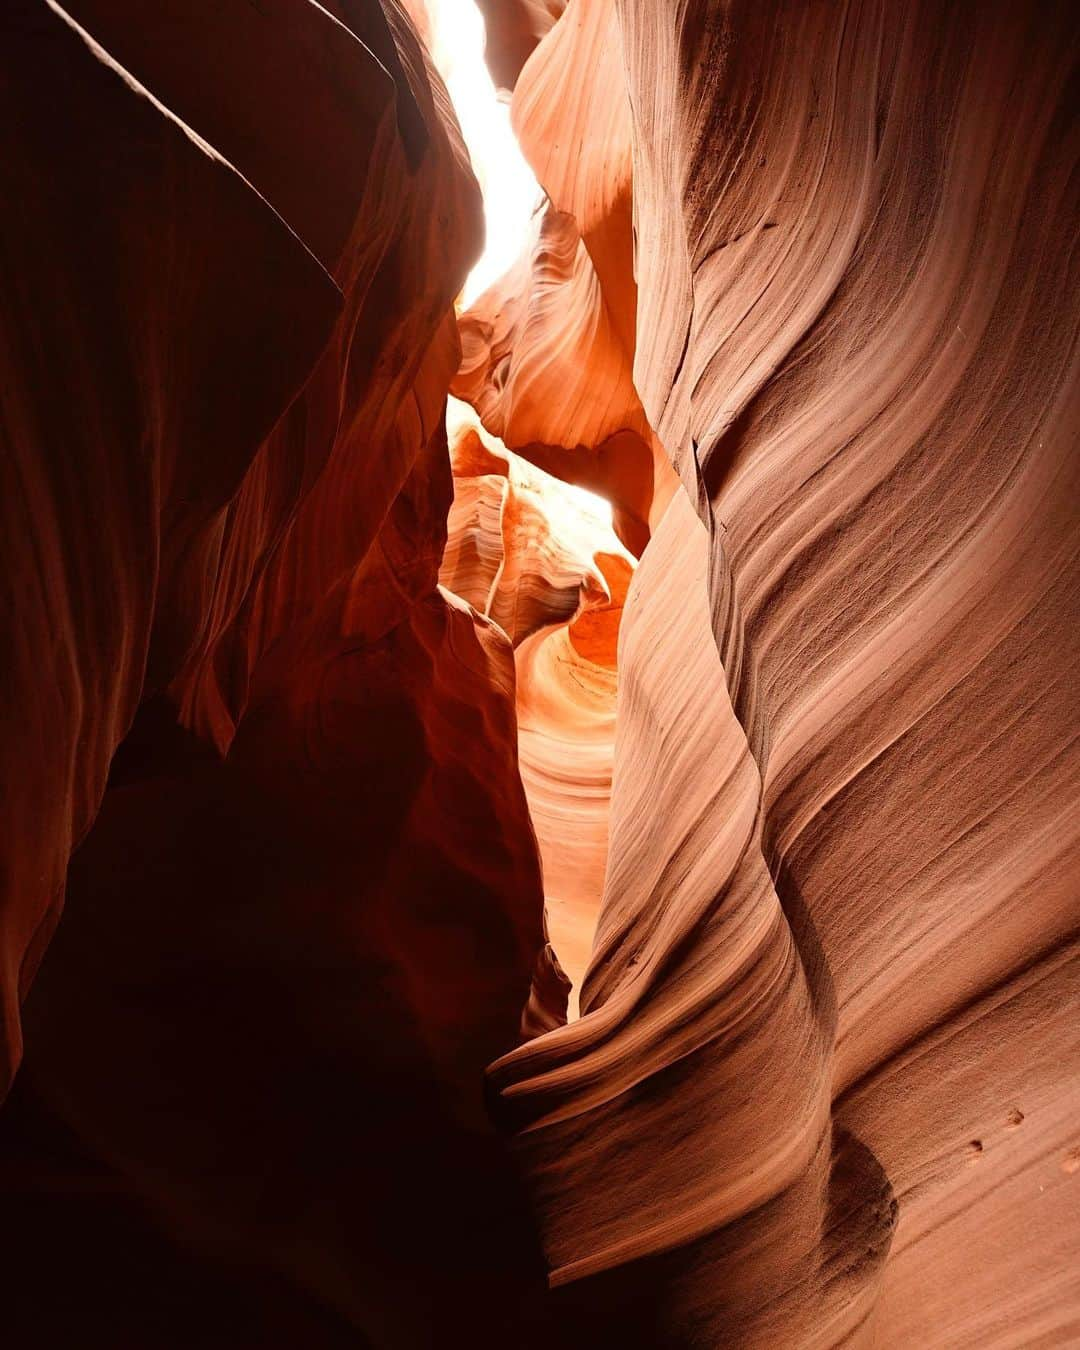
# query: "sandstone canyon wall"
{"points": [[309, 907], [436, 915], [542, 558], [834, 981]]}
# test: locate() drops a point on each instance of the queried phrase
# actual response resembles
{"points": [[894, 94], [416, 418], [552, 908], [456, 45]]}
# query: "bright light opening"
{"points": [[510, 190], [566, 679]]}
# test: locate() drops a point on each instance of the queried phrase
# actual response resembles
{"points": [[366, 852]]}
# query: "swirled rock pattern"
{"points": [[834, 981], [542, 560], [312, 715], [572, 116], [309, 910], [546, 370], [548, 350]]}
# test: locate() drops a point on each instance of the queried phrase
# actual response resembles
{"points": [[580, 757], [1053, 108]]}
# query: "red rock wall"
{"points": [[307, 909], [542, 559], [130, 336], [823, 1088], [834, 983]]}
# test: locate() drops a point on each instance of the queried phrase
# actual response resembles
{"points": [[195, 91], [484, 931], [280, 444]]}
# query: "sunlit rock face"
{"points": [[498, 917], [548, 350], [836, 961], [701, 1026], [543, 365], [513, 28], [541, 558]]}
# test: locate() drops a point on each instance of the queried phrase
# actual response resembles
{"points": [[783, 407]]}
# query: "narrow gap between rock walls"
{"points": [[536, 553]]}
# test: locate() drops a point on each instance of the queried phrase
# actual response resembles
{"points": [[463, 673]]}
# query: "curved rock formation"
{"points": [[566, 700], [514, 27], [695, 990], [540, 558], [545, 369], [272, 1013], [862, 359], [312, 876], [572, 116], [548, 350], [105, 507], [312, 714]]}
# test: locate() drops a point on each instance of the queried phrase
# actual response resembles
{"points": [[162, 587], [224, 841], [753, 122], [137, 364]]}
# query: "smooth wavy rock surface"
{"points": [[513, 28], [572, 117], [310, 908], [150, 325], [835, 971], [312, 715], [534, 344], [548, 350], [541, 559], [695, 988]]}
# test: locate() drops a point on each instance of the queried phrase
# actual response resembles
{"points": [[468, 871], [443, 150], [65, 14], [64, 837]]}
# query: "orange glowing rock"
{"points": [[542, 560], [496, 916]]}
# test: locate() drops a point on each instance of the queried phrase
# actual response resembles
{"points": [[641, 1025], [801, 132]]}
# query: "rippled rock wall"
{"points": [[433, 912], [823, 1064]]}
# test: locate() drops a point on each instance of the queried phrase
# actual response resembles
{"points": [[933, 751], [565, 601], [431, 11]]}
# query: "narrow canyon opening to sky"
{"points": [[511, 192], [541, 776], [564, 618]]}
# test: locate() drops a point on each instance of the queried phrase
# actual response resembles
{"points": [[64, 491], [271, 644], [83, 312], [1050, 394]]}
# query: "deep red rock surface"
{"points": [[309, 907], [342, 765]]}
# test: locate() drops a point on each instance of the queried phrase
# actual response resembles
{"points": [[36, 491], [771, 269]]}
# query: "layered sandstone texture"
{"points": [[305, 908], [541, 558], [439, 907], [825, 1083]]}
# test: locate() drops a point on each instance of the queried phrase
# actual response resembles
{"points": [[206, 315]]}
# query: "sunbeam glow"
{"points": [[511, 194], [510, 190]]}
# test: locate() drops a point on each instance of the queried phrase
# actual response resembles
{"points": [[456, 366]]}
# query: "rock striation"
{"points": [[838, 936], [548, 351], [436, 906], [541, 558], [306, 905]]}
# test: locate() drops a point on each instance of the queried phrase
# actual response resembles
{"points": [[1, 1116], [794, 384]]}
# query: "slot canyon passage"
{"points": [[541, 787]]}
